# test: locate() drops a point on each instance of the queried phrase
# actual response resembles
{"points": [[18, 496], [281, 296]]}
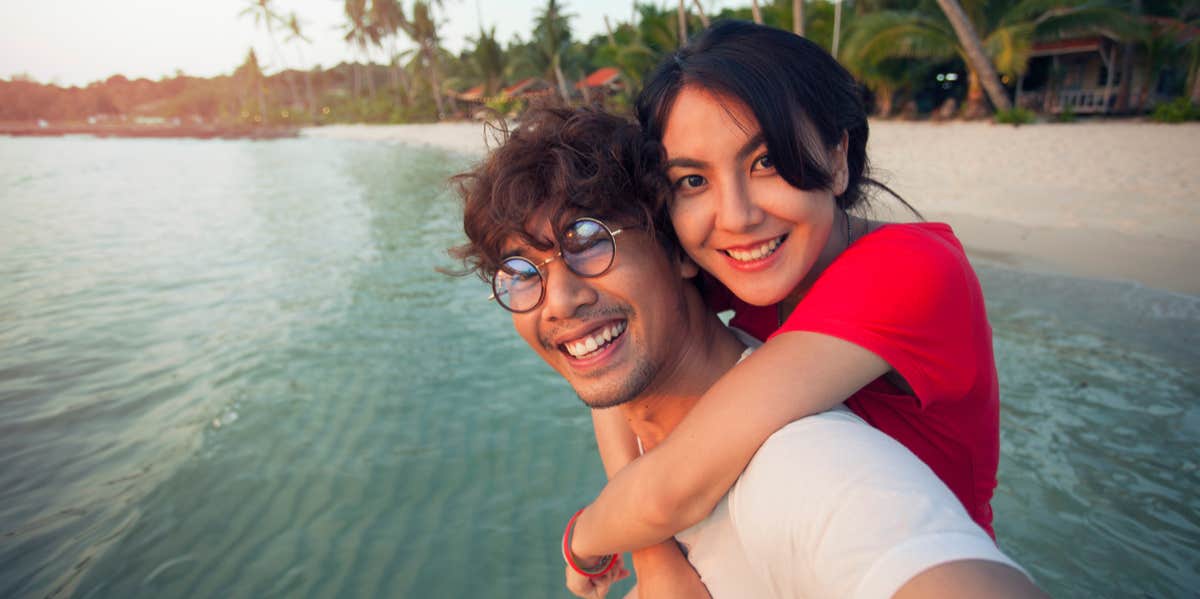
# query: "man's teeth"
{"points": [[757, 253], [596, 341]]}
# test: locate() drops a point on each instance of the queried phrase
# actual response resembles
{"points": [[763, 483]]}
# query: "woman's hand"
{"points": [[595, 588]]}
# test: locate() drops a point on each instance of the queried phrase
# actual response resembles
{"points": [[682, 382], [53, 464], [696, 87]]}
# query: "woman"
{"points": [[765, 138]]}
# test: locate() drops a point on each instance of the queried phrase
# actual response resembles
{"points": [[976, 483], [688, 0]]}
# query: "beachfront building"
{"points": [[600, 85], [1084, 75], [1079, 75]]}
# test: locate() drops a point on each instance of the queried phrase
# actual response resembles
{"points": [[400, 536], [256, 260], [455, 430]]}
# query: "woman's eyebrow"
{"points": [[751, 145], [748, 148]]}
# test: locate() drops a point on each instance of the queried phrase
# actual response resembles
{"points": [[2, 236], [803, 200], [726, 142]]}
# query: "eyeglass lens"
{"points": [[586, 248]]}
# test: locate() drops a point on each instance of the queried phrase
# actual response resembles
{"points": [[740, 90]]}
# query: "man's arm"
{"points": [[980, 579]]}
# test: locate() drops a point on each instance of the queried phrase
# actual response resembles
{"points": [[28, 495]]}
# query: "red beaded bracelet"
{"points": [[606, 563]]}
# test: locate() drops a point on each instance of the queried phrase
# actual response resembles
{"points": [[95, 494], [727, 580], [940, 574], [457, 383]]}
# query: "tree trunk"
{"points": [[980, 64], [310, 94], [884, 98], [562, 81], [434, 80], [798, 18], [837, 27], [682, 25], [1196, 86], [703, 17], [974, 106], [756, 12], [1126, 86], [370, 75], [1127, 51]]}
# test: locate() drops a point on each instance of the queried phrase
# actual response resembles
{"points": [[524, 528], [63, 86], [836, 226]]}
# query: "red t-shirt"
{"points": [[907, 293]]}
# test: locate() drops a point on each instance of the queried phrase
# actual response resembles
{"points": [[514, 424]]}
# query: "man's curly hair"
{"points": [[560, 164]]}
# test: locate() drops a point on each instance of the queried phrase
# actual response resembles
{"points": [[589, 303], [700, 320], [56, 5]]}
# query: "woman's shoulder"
{"points": [[912, 248], [915, 235]]}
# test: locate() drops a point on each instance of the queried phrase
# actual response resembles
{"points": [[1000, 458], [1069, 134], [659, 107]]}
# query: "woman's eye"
{"points": [[690, 182], [764, 162]]}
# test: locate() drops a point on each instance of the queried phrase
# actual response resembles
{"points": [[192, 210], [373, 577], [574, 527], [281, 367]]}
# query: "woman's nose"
{"points": [[736, 210]]}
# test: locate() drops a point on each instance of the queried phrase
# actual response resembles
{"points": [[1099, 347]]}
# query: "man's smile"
{"points": [[595, 340]]}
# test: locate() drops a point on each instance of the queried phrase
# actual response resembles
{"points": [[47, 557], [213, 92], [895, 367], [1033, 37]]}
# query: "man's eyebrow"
{"points": [[685, 162], [747, 148]]}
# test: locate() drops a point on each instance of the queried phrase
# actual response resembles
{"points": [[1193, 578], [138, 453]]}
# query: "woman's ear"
{"points": [[841, 171], [687, 268]]}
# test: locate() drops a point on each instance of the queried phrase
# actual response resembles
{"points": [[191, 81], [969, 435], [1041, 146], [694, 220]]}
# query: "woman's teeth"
{"points": [[596, 341], [762, 251]]}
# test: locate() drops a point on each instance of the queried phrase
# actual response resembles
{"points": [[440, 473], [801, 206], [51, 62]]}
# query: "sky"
{"points": [[75, 42]]}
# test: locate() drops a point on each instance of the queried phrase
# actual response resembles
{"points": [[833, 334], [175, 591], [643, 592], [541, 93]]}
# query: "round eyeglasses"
{"points": [[587, 248]]}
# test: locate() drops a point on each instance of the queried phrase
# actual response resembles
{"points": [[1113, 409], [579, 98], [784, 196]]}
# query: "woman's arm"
{"points": [[662, 570], [617, 444], [677, 484]]}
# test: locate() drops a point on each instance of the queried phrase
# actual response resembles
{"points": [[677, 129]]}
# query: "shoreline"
{"points": [[150, 131], [1112, 200]]}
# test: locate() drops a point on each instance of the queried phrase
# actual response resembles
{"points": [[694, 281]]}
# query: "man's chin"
{"points": [[601, 403]]}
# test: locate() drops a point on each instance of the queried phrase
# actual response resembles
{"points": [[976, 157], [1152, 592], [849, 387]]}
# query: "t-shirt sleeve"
{"points": [[911, 298], [831, 507]]}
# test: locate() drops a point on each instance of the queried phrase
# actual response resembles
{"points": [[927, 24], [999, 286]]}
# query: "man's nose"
{"points": [[566, 291], [736, 210]]}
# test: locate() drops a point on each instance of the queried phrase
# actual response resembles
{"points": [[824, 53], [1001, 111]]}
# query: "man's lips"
{"points": [[592, 341]]}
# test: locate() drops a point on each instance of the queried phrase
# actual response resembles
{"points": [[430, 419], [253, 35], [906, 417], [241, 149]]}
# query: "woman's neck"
{"points": [[845, 231]]}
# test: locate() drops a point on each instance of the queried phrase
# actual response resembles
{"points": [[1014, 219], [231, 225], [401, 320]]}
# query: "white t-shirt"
{"points": [[832, 507]]}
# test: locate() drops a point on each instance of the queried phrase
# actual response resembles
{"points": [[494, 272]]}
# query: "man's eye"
{"points": [[690, 182], [764, 162]]}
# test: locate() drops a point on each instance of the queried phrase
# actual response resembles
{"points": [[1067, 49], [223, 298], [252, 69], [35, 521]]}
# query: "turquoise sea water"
{"points": [[229, 369]]}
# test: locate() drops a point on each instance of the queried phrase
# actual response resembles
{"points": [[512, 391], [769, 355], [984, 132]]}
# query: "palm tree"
{"points": [[360, 35], [703, 17], [1009, 30], [265, 16], [422, 29], [682, 24], [489, 61], [981, 66], [386, 17], [553, 37], [249, 77], [837, 27], [757, 12], [296, 36], [798, 18]]}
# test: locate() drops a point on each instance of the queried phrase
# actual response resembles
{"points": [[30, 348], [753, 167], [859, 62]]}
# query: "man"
{"points": [[567, 220]]}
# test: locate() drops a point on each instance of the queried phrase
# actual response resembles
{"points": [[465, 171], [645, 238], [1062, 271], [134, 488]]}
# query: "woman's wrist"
{"points": [[587, 565]]}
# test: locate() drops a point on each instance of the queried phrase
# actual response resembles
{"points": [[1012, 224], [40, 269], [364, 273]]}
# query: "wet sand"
{"points": [[1109, 200]]}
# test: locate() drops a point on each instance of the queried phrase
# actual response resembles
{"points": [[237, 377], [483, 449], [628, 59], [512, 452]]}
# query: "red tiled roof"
{"points": [[1083, 44], [600, 77], [475, 93]]}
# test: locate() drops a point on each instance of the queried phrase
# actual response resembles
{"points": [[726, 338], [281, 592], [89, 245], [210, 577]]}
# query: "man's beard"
{"points": [[625, 390]]}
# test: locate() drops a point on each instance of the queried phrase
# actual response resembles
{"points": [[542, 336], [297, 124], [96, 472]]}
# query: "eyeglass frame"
{"points": [[559, 254]]}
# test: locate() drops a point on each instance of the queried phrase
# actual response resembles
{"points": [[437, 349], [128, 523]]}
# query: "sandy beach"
{"points": [[1113, 200]]}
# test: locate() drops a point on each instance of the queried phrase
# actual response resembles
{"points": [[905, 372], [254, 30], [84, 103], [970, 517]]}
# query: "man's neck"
{"points": [[705, 351]]}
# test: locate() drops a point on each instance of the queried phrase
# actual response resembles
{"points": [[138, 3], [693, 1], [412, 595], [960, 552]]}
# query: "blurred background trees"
{"points": [[1052, 56]]}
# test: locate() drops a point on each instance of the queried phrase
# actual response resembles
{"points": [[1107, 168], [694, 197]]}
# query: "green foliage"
{"points": [[1067, 115], [1178, 110], [1015, 116], [506, 106]]}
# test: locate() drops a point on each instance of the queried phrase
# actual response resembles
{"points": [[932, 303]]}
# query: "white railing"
{"points": [[1082, 101]]}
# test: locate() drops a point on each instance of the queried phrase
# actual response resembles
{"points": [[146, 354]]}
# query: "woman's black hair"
{"points": [[802, 98]]}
